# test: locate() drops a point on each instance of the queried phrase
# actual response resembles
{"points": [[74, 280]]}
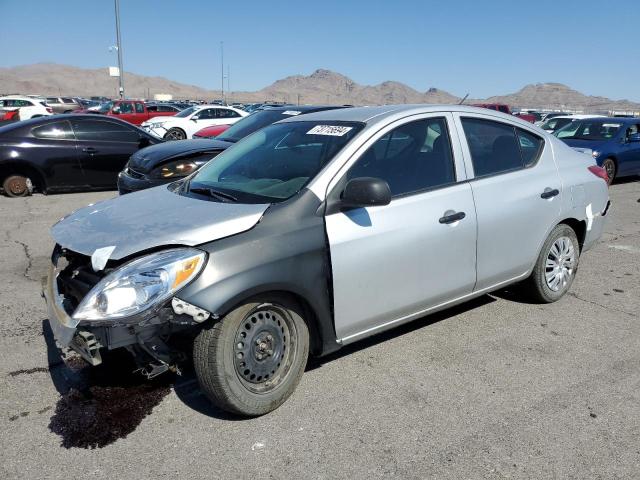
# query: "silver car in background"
{"points": [[318, 231]]}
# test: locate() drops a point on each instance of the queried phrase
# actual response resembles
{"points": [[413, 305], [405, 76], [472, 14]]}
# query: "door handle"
{"points": [[452, 217], [89, 150], [549, 193]]}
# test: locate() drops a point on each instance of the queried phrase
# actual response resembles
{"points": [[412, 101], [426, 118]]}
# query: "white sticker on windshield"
{"points": [[291, 112], [332, 130]]}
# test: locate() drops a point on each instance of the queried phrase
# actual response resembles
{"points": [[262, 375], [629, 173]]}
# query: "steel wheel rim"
{"points": [[19, 185], [264, 348], [560, 264]]}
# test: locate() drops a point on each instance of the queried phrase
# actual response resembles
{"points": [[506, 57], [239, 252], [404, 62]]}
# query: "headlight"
{"points": [[179, 168], [595, 153], [141, 284]]}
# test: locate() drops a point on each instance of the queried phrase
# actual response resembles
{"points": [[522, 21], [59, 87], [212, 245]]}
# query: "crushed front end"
{"points": [[126, 304]]}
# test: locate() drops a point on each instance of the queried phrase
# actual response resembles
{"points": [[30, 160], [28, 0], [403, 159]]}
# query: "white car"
{"points": [[187, 122], [29, 107], [556, 123]]}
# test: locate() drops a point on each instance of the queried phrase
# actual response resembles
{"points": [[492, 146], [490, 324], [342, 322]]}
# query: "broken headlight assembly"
{"points": [[177, 169], [141, 284]]}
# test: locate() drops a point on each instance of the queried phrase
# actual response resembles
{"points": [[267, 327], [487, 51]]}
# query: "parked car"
{"points": [[66, 152], [170, 161], [132, 111], [548, 116], [613, 142], [184, 124], [162, 107], [318, 231], [27, 106], [501, 107], [211, 132], [64, 104], [556, 123]]}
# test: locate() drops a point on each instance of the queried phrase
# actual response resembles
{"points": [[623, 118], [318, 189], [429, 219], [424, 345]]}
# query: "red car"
{"points": [[132, 111], [210, 132], [501, 107]]}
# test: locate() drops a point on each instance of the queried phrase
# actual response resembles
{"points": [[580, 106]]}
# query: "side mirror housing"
{"points": [[634, 137], [194, 118], [365, 192]]}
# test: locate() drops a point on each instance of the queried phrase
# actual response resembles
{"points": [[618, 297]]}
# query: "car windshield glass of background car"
{"points": [[250, 124], [276, 162], [589, 130], [186, 112]]}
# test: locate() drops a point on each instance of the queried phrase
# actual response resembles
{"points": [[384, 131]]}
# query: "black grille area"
{"points": [[76, 278], [134, 174]]}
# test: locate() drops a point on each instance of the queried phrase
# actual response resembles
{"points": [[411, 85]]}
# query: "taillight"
{"points": [[599, 172], [49, 109]]}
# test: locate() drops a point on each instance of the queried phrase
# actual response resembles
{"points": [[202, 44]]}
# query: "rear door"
{"points": [[126, 112], [391, 263], [517, 192], [104, 147]]}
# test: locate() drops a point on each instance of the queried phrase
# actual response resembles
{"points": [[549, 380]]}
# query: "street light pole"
{"points": [[222, 69], [119, 47]]}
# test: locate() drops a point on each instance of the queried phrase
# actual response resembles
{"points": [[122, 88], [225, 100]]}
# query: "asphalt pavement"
{"points": [[495, 388]]}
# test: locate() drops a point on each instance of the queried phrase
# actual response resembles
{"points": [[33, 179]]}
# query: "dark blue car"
{"points": [[614, 143]]}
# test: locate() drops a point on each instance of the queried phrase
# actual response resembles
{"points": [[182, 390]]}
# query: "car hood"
{"points": [[148, 158], [149, 219]]}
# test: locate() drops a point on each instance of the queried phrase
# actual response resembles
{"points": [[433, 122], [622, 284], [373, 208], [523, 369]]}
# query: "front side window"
{"points": [[274, 163], [225, 113], [54, 130], [413, 157], [207, 114], [126, 107], [497, 147], [102, 131]]}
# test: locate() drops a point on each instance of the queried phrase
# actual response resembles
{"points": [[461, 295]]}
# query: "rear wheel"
{"points": [[610, 167], [250, 362], [175, 134], [17, 186], [556, 266]]}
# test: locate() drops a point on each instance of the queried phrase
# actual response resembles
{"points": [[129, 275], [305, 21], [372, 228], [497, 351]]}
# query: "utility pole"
{"points": [[119, 47], [229, 81], [222, 69]]}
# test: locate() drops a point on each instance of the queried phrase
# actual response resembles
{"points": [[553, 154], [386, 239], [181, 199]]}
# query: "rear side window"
{"points": [[411, 158], [497, 147], [101, 131], [68, 100], [139, 108], [224, 113], [54, 130]]}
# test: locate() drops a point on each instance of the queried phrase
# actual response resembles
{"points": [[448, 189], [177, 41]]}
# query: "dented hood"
{"points": [[152, 218]]}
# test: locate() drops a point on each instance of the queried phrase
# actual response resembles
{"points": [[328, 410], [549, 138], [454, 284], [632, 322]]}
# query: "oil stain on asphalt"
{"points": [[103, 404]]}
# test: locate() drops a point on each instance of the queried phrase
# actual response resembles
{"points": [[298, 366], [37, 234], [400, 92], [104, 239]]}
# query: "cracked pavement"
{"points": [[495, 388]]}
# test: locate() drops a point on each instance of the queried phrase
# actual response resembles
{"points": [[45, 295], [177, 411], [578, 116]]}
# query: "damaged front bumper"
{"points": [[144, 337]]}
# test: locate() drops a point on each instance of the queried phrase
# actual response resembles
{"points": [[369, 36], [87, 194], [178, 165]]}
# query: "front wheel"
{"points": [[175, 134], [251, 361], [609, 166], [17, 186], [556, 266]]}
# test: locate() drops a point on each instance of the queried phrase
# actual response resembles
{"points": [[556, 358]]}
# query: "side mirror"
{"points": [[194, 118], [116, 111], [634, 137], [366, 192]]}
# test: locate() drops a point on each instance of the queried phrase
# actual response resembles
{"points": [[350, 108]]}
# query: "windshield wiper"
{"points": [[213, 193]]}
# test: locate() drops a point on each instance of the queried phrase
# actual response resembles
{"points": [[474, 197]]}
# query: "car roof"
{"points": [[298, 108], [20, 97], [375, 114]]}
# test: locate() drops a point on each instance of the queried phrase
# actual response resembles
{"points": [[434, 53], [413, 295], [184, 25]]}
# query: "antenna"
{"points": [[462, 101]]}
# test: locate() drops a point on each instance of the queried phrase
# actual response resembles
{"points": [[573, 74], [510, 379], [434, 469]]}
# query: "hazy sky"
{"points": [[484, 47]]}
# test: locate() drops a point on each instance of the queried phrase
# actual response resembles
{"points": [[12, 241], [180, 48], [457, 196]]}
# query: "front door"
{"points": [[392, 262], [629, 156], [104, 147]]}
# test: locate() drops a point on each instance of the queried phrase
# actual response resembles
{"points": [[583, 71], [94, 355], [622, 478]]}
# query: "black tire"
{"points": [[228, 355], [537, 286], [17, 186], [611, 168], [175, 134]]}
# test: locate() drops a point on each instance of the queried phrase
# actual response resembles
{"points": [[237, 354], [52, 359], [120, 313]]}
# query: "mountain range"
{"points": [[322, 86]]}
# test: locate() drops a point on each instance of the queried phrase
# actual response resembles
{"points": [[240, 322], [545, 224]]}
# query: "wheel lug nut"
{"points": [[259, 357], [269, 337]]}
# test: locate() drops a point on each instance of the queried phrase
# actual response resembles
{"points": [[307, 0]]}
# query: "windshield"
{"points": [[105, 107], [253, 123], [186, 112], [555, 123], [589, 130], [276, 162]]}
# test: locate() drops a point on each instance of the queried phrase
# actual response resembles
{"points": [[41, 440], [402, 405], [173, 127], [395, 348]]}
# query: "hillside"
{"points": [[322, 86]]}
